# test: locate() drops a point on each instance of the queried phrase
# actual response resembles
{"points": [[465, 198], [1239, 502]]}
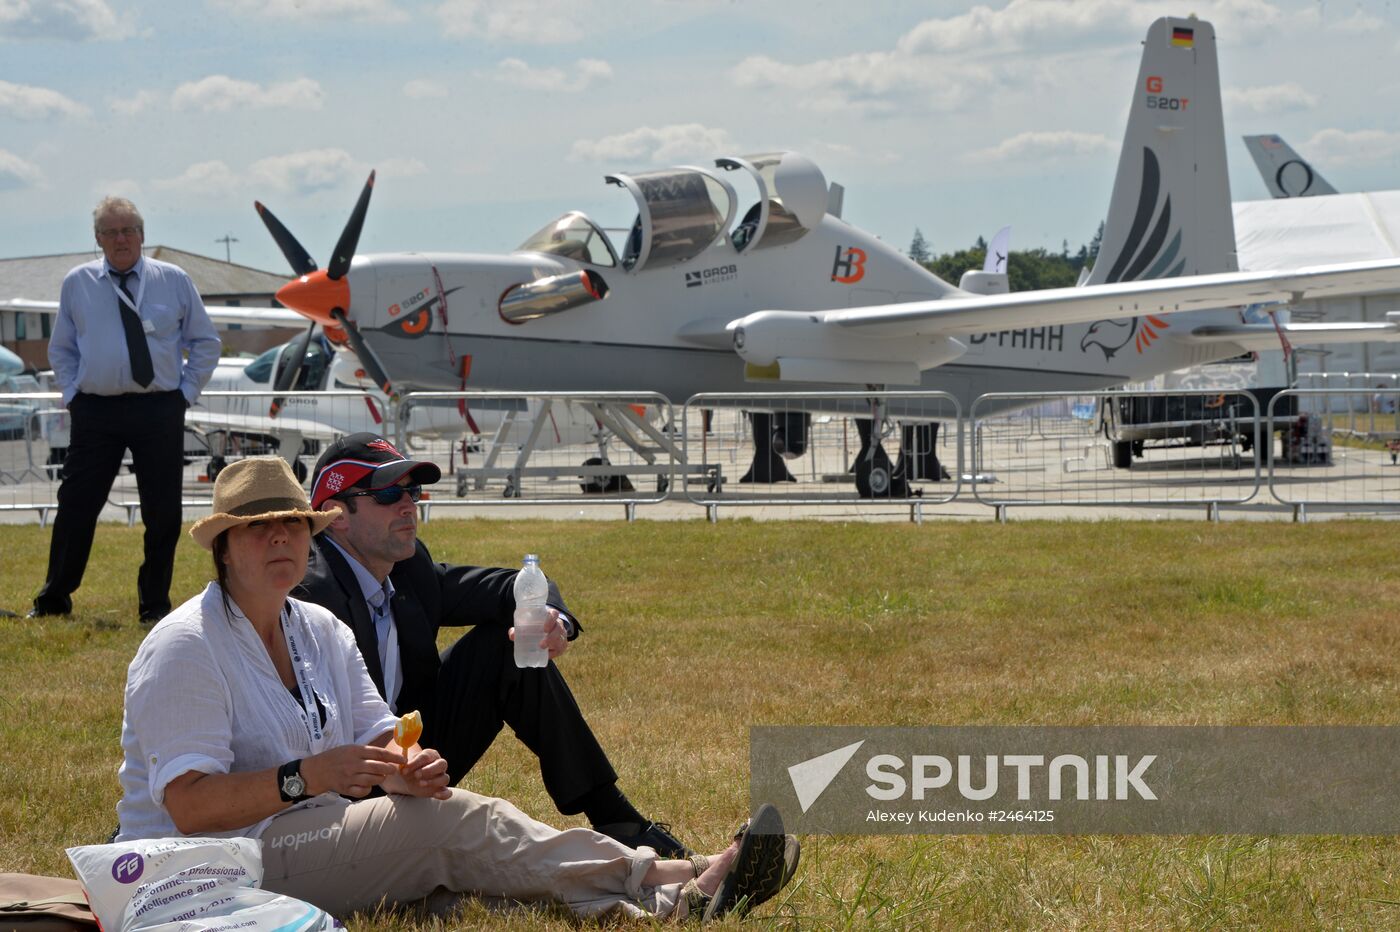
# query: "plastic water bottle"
{"points": [[531, 614]]}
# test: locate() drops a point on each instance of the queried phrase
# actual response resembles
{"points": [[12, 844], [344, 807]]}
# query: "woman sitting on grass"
{"points": [[250, 713]]}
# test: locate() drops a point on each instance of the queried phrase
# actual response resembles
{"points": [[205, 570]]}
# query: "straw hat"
{"points": [[259, 488]]}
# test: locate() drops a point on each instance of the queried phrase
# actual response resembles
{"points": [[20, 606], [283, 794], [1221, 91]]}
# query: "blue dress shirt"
{"points": [[87, 348]]}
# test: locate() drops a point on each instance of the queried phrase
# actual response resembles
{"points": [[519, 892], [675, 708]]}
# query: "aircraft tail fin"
{"points": [[1285, 172], [1170, 213]]}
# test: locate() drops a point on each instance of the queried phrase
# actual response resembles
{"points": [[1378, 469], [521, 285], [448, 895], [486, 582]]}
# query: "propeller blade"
{"points": [[297, 257], [288, 376], [366, 355], [350, 236]]}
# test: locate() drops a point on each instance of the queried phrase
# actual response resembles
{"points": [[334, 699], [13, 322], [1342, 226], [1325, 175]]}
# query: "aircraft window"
{"points": [[633, 248], [572, 236], [260, 369], [744, 232], [313, 368]]}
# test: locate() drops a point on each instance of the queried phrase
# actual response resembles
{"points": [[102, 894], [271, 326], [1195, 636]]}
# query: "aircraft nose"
{"points": [[315, 295]]}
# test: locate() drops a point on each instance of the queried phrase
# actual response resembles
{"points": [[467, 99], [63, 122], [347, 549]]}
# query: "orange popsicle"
{"points": [[407, 730]]}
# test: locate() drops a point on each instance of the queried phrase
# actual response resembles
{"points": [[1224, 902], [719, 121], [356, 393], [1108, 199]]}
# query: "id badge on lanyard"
{"points": [[302, 668]]}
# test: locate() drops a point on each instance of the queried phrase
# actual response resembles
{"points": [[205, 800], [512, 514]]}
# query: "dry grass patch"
{"points": [[696, 632]]}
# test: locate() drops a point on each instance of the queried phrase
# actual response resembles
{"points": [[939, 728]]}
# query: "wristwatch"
{"points": [[291, 785]]}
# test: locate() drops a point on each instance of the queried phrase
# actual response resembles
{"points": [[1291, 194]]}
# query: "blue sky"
{"points": [[487, 119]]}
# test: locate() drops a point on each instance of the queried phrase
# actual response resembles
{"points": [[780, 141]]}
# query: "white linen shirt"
{"points": [[87, 348], [202, 694]]}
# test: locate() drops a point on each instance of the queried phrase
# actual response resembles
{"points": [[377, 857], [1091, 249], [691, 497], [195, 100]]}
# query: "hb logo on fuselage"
{"points": [[849, 265]]}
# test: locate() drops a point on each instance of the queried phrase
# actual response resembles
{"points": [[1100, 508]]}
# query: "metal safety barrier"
{"points": [[28, 471], [823, 448], [1325, 464], [512, 448], [859, 451], [1115, 448]]}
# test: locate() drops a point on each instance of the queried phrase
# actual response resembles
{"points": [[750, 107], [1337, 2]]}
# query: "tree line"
{"points": [[1027, 269]]}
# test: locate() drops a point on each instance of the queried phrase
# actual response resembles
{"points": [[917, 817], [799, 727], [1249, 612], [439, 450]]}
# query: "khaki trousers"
{"points": [[399, 849]]}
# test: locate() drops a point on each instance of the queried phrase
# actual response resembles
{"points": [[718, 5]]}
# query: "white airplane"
{"points": [[1285, 172], [794, 298]]}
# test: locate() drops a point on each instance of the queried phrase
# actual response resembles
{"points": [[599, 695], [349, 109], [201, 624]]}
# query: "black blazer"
{"points": [[427, 596]]}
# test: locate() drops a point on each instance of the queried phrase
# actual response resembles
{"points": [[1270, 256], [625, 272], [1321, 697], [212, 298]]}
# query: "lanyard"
{"points": [[302, 668], [121, 295]]}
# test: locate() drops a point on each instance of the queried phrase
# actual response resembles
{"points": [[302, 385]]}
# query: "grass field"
{"points": [[694, 632]]}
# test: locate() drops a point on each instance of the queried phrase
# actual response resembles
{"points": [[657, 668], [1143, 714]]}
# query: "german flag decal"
{"points": [[1183, 37]]}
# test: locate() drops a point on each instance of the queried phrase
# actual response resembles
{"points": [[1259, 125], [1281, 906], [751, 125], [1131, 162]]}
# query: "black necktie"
{"points": [[136, 347]]}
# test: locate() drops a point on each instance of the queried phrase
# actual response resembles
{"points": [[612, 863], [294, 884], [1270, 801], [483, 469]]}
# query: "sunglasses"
{"points": [[390, 494]]}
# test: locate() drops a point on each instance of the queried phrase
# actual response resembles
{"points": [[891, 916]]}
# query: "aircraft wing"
{"points": [[212, 421], [1266, 337], [220, 314], [883, 343]]}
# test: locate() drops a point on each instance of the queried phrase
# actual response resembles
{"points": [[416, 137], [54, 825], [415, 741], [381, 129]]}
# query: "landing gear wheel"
{"points": [[216, 466], [876, 478], [1122, 454], [603, 485], [299, 470]]}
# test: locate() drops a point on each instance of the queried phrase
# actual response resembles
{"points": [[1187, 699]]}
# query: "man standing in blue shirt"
{"points": [[118, 349]]}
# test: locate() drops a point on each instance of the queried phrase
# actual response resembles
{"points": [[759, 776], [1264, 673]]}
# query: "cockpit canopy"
{"points": [[572, 236], [792, 199], [680, 213], [683, 211]]}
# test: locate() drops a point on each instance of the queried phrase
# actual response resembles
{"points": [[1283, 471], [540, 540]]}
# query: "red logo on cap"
{"points": [[385, 447]]}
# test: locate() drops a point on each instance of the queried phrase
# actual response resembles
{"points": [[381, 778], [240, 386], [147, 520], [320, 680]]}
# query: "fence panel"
{"points": [[816, 448], [28, 471], [1113, 448], [513, 448], [1337, 460]]}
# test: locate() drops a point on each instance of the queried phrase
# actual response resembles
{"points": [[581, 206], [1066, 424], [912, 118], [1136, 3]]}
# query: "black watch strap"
{"points": [[291, 769]]}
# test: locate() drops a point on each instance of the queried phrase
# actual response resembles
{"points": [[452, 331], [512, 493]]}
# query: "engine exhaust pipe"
{"points": [[546, 296]]}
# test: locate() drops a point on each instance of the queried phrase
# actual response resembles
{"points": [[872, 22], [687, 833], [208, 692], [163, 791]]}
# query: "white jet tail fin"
{"points": [[1285, 172], [992, 279], [1170, 210]]}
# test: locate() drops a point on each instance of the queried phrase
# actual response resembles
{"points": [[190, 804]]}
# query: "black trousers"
{"points": [[480, 689], [102, 428]]}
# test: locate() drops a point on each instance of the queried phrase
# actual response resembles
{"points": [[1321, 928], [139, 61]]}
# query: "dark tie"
{"points": [[136, 347]]}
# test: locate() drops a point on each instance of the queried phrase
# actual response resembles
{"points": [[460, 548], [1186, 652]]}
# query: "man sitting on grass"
{"points": [[373, 573]]}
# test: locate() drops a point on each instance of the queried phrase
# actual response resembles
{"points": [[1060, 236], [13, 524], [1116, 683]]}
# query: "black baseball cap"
{"points": [[365, 461]]}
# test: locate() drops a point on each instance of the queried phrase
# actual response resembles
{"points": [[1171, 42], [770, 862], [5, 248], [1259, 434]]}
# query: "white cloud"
{"points": [[1362, 147], [422, 89], [1274, 98], [27, 102], [377, 10], [73, 20], [305, 172], [219, 92], [1045, 145], [539, 22], [585, 72], [206, 178], [116, 187], [666, 144], [133, 104], [399, 167], [945, 63], [15, 172]]}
